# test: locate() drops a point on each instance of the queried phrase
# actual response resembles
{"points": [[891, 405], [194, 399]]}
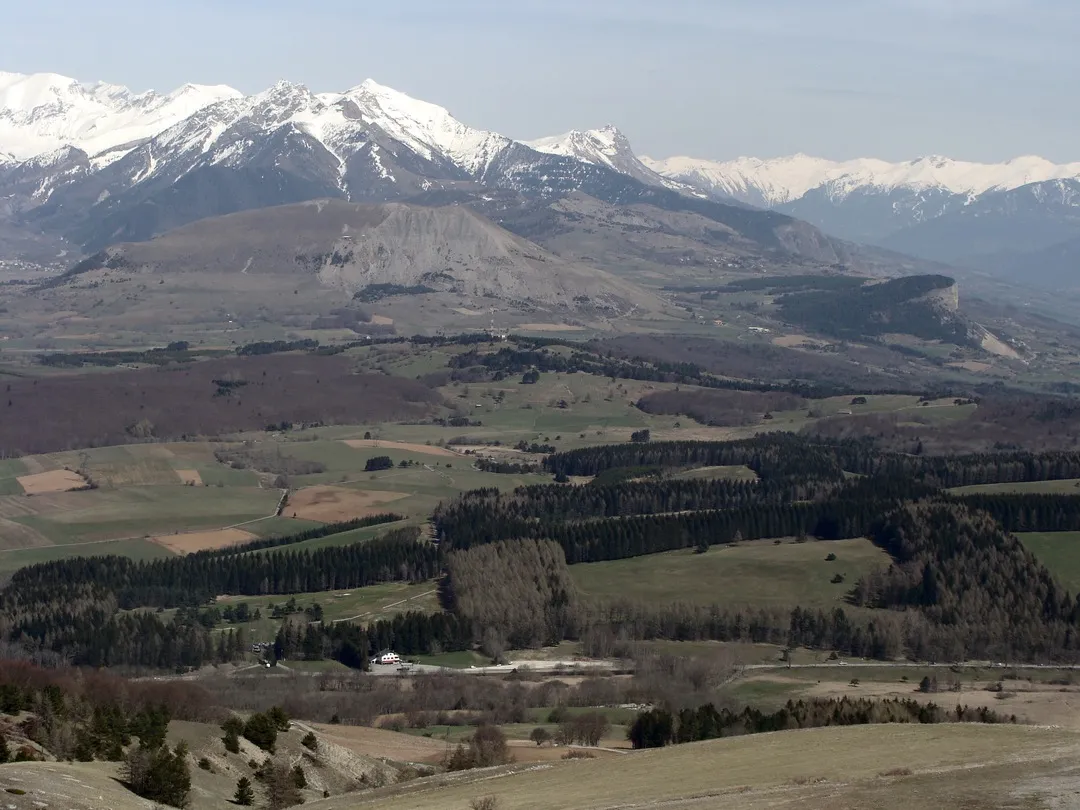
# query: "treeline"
{"points": [[612, 627], [533, 356], [623, 498], [513, 594], [720, 408], [972, 581], [1028, 512], [848, 510], [93, 636], [787, 454], [277, 347], [773, 455], [316, 533], [177, 352], [354, 644], [198, 578], [506, 467], [659, 727]]}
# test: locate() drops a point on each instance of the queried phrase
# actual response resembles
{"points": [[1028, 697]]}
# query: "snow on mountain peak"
{"points": [[43, 112], [608, 147], [426, 128], [602, 146], [781, 180]]}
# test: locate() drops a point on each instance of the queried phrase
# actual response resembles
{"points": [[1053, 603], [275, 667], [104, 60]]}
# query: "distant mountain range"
{"points": [[93, 165], [97, 164], [1001, 217]]}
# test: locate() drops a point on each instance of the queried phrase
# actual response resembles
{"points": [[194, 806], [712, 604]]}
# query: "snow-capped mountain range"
{"points": [[97, 164], [1003, 217], [776, 182], [606, 146], [44, 112]]}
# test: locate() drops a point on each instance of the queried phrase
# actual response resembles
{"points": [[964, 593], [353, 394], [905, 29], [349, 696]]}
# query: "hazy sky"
{"points": [[897, 79]]}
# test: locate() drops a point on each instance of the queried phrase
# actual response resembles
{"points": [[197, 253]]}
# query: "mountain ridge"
{"points": [[781, 180], [997, 217], [288, 144]]}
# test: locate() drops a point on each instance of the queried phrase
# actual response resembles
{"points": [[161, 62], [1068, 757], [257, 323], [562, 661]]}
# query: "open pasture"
{"points": [[1068, 486], [13, 558], [758, 573], [718, 474], [1059, 552]]}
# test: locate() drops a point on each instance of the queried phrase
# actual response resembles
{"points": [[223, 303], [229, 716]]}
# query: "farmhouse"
{"points": [[386, 657]]}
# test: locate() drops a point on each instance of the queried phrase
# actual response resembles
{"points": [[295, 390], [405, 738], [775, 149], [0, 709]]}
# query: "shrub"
{"points": [[204, 763], [232, 742], [486, 747], [896, 772], [540, 735], [310, 742], [279, 718], [262, 731], [376, 463], [160, 775], [577, 753], [484, 803]]}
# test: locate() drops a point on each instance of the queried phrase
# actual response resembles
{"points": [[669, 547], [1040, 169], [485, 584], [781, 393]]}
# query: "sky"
{"points": [[896, 79]]}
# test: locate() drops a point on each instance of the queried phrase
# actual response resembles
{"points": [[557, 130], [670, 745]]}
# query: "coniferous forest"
{"points": [[959, 585]]}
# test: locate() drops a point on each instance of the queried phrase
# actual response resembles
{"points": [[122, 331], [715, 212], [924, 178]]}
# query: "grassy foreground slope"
{"points": [[861, 766]]}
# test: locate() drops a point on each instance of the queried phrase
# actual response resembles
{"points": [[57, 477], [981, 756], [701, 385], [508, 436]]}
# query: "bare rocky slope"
{"points": [[347, 247]]}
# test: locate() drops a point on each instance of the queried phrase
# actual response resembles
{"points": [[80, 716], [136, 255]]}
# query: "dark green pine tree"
{"points": [[245, 794]]}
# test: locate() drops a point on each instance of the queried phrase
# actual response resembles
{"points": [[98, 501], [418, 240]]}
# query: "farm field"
{"points": [[752, 573], [53, 481], [137, 511], [190, 542], [336, 504], [1059, 552], [156, 489]]}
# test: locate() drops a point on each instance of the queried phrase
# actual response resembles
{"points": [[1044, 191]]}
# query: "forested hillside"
{"points": [[959, 584]]}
